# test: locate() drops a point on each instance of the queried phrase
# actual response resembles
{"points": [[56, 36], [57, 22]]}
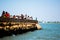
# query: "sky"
{"points": [[44, 10]]}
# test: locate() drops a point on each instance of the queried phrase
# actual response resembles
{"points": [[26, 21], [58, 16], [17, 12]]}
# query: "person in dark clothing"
{"points": [[3, 14], [22, 16]]}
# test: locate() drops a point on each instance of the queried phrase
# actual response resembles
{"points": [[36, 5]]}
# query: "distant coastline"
{"points": [[49, 22]]}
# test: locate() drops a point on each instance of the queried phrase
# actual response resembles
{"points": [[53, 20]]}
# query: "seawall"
{"points": [[9, 26]]}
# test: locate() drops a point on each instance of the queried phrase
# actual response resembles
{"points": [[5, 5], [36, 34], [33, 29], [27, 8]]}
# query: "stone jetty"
{"points": [[16, 24], [9, 26]]}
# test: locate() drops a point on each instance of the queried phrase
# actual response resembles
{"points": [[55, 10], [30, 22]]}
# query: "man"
{"points": [[7, 15]]}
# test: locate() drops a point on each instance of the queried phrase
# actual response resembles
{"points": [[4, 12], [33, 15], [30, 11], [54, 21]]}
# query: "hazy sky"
{"points": [[46, 10]]}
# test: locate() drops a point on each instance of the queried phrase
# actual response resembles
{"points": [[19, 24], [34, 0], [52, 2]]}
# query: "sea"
{"points": [[49, 31]]}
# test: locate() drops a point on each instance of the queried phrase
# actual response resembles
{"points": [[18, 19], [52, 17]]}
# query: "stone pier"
{"points": [[9, 26]]}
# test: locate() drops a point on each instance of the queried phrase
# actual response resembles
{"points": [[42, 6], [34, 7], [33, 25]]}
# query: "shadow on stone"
{"points": [[4, 33]]}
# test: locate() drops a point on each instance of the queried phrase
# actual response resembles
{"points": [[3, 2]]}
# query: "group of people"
{"points": [[23, 17], [7, 15]]}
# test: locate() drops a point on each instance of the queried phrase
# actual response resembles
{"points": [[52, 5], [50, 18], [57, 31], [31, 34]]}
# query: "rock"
{"points": [[38, 26]]}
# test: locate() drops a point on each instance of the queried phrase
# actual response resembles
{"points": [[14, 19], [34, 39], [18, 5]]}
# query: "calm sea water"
{"points": [[48, 32]]}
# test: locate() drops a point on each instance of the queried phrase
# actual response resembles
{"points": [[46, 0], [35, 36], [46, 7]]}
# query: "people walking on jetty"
{"points": [[7, 15]]}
